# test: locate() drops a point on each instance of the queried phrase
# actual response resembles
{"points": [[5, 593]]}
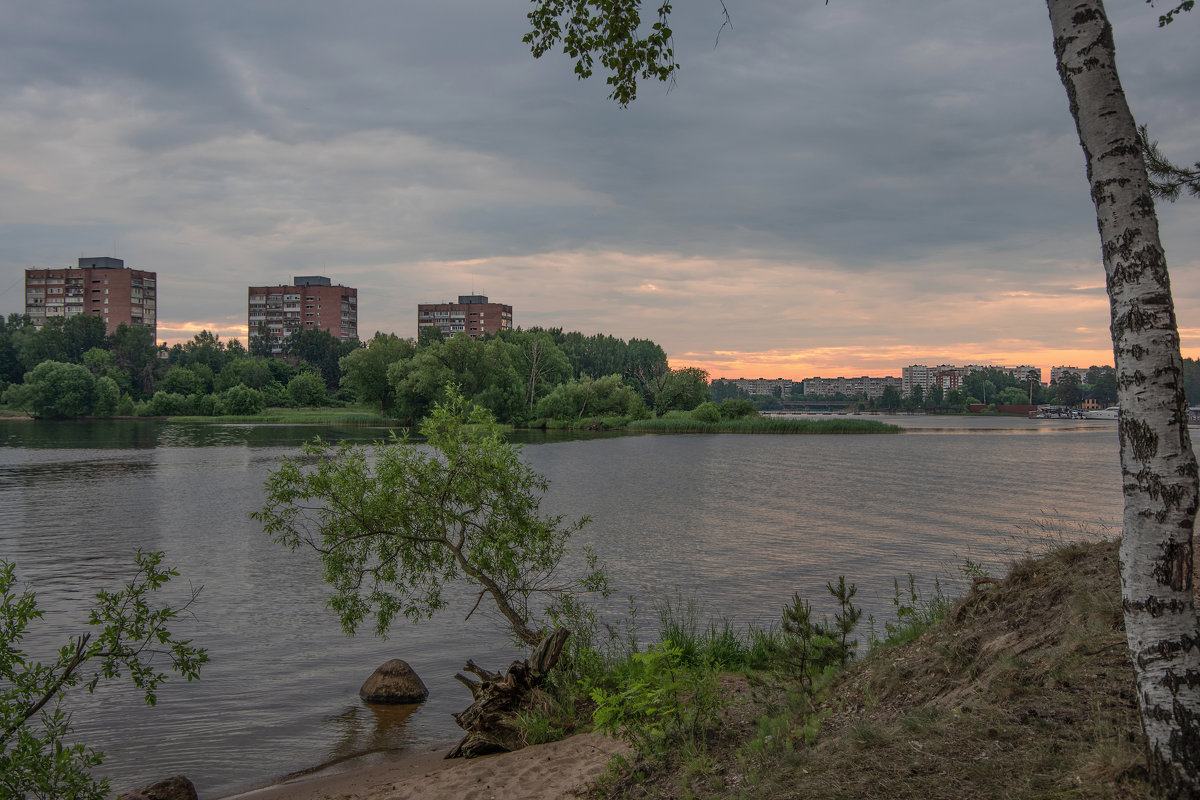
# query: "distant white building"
{"points": [[1058, 372], [950, 377], [764, 385], [871, 387]]}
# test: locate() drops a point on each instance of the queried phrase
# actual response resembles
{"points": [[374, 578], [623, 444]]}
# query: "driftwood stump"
{"points": [[490, 721]]}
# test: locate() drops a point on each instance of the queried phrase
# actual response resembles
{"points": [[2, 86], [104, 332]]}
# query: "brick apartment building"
{"points": [[102, 287], [310, 302], [472, 315]]}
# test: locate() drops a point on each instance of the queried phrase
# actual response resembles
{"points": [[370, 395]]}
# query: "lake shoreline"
{"points": [[539, 772]]}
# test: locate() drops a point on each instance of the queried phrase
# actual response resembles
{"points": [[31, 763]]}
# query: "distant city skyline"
{"points": [[831, 190]]}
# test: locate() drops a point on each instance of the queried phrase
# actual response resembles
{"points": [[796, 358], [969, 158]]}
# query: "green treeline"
{"points": [[69, 368], [987, 387]]}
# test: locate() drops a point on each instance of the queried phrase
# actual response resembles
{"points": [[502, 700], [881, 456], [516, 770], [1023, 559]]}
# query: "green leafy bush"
{"points": [[128, 635], [657, 700]]}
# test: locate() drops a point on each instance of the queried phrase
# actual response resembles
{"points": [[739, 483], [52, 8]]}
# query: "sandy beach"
{"points": [[542, 772]]}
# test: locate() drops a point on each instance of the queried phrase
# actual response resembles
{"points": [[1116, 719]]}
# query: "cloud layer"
{"points": [[829, 190]]}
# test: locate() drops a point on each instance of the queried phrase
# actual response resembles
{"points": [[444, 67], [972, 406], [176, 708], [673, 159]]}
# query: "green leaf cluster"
{"points": [[396, 523], [657, 699], [610, 30], [129, 637]]}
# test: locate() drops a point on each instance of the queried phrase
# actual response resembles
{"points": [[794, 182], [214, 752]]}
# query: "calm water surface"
{"points": [[740, 522]]}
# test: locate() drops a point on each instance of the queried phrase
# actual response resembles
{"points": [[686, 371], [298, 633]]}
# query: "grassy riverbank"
{"points": [[1022, 690]]}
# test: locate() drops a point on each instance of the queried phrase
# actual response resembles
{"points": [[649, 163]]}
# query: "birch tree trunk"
{"points": [[1158, 467]]}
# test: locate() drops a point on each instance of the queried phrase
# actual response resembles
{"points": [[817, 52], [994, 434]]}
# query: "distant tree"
{"points": [[1101, 384], [168, 404], [1011, 396], [669, 389], [1068, 389], [307, 389], [63, 339], [181, 380], [584, 397], [722, 389], [203, 348], [767, 402], [321, 350], [539, 363], [429, 334], [242, 401], [1191, 380], [916, 399], [937, 395], [593, 356], [108, 394], [260, 342], [56, 390], [255, 373], [136, 354], [890, 399], [364, 371], [736, 408]]}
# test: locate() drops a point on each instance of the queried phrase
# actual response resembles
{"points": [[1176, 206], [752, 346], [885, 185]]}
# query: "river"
{"points": [[738, 522]]}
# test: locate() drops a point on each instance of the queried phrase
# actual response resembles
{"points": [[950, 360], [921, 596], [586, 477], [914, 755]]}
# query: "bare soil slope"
{"points": [[1025, 691]]}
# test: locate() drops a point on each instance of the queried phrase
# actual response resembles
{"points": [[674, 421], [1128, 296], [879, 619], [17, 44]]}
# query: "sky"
{"points": [[826, 190]]}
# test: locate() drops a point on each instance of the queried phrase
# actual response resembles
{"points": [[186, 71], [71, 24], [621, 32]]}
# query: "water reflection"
{"points": [[45, 434], [370, 727]]}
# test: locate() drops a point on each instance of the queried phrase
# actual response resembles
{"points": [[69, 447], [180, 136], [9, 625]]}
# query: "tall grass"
{"points": [[682, 424]]}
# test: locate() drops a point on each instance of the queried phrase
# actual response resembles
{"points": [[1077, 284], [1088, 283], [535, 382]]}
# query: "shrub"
{"points": [[125, 406], [241, 401], [167, 404], [107, 396], [736, 408], [707, 412], [307, 389]]}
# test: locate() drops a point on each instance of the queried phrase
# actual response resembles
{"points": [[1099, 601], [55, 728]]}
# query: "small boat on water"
{"points": [[1112, 412]]}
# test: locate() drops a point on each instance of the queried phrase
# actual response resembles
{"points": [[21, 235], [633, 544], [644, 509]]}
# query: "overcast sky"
{"points": [[829, 190]]}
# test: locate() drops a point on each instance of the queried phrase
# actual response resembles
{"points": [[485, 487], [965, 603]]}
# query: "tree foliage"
{"points": [[364, 371], [55, 390], [128, 637], [608, 30], [397, 523], [1167, 181]]}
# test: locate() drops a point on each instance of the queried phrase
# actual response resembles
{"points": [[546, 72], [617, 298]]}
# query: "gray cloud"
{"points": [[912, 166]]}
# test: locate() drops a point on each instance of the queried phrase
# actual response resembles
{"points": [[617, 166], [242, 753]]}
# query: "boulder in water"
{"points": [[394, 682], [177, 787]]}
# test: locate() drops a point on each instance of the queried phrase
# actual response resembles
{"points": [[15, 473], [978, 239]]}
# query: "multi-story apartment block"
{"points": [[310, 302], [1058, 372], [765, 385], [871, 387], [472, 315], [102, 287], [950, 377], [945, 375]]}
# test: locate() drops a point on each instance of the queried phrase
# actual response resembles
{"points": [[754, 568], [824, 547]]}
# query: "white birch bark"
{"points": [[1158, 466]]}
